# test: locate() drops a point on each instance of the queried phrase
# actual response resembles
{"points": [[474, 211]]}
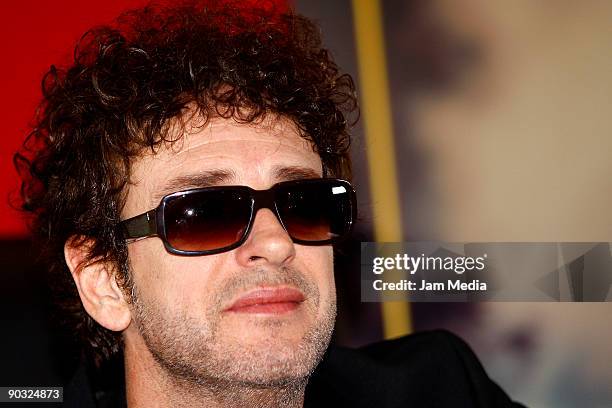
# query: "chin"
{"points": [[279, 363], [275, 358]]}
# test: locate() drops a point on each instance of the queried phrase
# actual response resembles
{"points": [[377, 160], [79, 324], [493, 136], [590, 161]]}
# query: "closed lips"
{"points": [[268, 299]]}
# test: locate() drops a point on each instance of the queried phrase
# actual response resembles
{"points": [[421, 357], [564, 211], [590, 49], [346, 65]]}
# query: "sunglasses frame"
{"points": [[152, 222]]}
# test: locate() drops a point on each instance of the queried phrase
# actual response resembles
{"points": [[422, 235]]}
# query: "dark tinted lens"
{"points": [[319, 211], [207, 220]]}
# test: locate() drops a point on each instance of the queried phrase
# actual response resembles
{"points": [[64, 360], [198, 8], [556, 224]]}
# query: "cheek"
{"points": [[319, 263], [172, 281]]}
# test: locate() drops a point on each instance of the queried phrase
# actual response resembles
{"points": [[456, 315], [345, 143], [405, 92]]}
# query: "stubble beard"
{"points": [[193, 354]]}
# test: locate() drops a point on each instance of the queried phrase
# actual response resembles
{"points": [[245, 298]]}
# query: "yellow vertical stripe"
{"points": [[376, 114]]}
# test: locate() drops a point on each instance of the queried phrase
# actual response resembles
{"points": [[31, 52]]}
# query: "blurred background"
{"points": [[481, 121]]}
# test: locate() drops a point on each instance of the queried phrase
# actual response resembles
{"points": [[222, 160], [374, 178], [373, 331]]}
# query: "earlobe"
{"points": [[96, 283]]}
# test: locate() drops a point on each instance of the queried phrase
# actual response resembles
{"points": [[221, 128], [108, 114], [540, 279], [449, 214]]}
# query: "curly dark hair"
{"points": [[119, 96]]}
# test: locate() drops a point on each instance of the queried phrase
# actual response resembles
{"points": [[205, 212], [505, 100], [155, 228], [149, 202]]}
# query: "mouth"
{"points": [[268, 300]]}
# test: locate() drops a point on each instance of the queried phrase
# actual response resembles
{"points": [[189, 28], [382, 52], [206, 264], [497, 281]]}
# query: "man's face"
{"points": [[187, 310]]}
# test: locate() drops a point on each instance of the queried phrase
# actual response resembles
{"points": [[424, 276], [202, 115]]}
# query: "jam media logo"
{"points": [[424, 272]]}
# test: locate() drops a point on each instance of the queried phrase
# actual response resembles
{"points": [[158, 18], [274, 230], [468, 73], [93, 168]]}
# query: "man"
{"points": [[187, 178]]}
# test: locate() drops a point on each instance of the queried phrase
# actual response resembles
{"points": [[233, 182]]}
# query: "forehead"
{"points": [[248, 154], [227, 143]]}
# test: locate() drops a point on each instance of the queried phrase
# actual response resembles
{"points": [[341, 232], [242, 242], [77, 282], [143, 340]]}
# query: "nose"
{"points": [[267, 243]]}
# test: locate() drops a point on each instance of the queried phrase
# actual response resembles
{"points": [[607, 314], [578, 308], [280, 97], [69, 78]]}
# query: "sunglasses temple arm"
{"points": [[143, 225]]}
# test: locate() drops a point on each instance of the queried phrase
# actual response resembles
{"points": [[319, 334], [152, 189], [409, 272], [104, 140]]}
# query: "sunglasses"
{"points": [[210, 220]]}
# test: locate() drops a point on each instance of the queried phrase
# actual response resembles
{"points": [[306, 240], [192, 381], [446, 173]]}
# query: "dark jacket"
{"points": [[430, 369]]}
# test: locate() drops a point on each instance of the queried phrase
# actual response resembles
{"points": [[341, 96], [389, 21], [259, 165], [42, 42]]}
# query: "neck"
{"points": [[150, 385]]}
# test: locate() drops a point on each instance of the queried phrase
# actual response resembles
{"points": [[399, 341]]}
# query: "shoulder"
{"points": [[428, 369], [430, 344]]}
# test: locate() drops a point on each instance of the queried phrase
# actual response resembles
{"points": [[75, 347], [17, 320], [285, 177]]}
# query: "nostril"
{"points": [[254, 258]]}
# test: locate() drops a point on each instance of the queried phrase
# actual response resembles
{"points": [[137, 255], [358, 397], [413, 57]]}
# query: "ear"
{"points": [[100, 294]]}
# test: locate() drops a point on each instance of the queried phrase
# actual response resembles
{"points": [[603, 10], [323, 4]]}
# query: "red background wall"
{"points": [[34, 35]]}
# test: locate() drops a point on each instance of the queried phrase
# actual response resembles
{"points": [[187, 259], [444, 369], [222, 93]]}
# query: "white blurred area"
{"points": [[521, 150], [566, 362]]}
